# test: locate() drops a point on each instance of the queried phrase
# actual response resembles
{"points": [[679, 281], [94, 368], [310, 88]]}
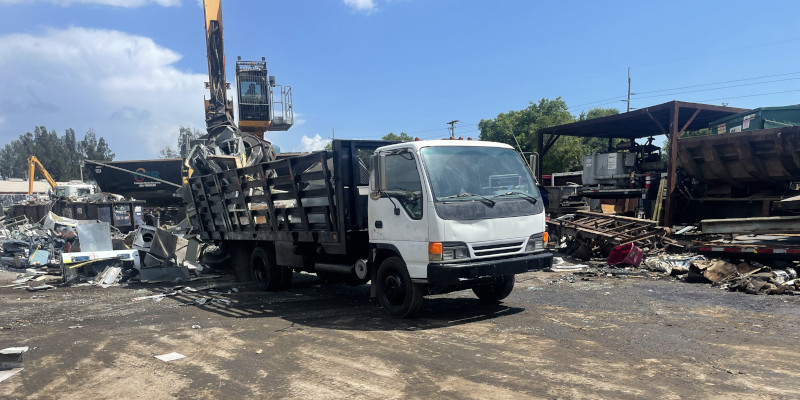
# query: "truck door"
{"points": [[397, 214]]}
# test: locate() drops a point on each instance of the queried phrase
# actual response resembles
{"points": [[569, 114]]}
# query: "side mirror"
{"points": [[377, 176]]}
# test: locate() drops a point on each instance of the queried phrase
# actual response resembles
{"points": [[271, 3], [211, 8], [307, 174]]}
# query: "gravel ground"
{"points": [[554, 337]]}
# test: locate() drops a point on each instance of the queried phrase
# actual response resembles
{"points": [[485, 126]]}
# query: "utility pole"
{"points": [[453, 128], [629, 90]]}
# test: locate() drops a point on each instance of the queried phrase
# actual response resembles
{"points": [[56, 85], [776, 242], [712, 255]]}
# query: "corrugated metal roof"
{"points": [[644, 122], [20, 186]]}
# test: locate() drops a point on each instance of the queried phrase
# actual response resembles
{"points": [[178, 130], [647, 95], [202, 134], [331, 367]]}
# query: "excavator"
{"points": [[263, 105], [69, 190]]}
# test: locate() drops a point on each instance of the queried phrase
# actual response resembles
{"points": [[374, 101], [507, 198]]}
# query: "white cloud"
{"points": [[124, 86], [365, 6], [298, 119], [115, 3], [313, 144]]}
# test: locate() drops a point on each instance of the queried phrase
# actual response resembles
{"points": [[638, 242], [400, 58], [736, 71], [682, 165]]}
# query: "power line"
{"points": [[611, 100], [752, 95], [719, 88], [722, 82]]}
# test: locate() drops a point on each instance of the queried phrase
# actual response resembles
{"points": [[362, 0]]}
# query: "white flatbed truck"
{"points": [[414, 218]]}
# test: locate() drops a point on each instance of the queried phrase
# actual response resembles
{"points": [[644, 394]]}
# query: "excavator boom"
{"points": [[34, 162], [263, 105], [216, 59]]}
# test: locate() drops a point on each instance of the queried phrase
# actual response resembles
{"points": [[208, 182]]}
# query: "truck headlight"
{"points": [[438, 251], [537, 242]]}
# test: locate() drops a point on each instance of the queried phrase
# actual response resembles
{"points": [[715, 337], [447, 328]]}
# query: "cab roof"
{"points": [[417, 145]]}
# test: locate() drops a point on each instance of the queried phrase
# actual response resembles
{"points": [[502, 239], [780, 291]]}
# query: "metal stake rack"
{"points": [[599, 233]]}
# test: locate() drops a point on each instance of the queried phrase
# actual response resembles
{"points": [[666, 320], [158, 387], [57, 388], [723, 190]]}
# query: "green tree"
{"points": [[185, 136], [401, 137], [566, 153], [594, 144], [520, 130], [61, 156], [95, 149], [168, 152]]}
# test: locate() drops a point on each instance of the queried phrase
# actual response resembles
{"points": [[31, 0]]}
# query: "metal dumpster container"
{"points": [[764, 156], [759, 118]]}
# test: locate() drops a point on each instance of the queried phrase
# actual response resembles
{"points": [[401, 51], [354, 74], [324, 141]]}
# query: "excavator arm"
{"points": [[34, 162]]}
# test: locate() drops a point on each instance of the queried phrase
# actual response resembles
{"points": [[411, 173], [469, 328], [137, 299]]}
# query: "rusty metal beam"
{"points": [[751, 225], [689, 122], [539, 149], [672, 164], [550, 142], [661, 127]]}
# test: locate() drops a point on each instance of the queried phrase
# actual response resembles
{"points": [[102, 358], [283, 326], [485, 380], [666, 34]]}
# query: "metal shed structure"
{"points": [[671, 119]]}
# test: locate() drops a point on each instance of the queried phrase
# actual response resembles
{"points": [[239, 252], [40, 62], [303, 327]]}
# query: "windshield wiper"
{"points": [[525, 196], [487, 200]]}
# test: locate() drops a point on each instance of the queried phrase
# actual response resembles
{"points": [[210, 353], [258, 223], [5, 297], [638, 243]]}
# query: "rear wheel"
{"points": [[263, 270], [398, 295], [495, 292]]}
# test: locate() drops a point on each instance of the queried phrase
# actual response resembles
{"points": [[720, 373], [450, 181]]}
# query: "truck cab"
{"points": [[449, 215], [73, 189]]}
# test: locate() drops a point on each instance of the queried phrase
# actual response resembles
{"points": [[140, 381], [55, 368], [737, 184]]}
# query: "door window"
{"points": [[403, 183]]}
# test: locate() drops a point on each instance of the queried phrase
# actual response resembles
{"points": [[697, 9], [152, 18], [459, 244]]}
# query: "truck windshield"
{"points": [[469, 173]]}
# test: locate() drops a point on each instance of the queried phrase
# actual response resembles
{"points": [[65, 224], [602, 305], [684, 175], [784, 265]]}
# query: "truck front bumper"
{"points": [[460, 273]]}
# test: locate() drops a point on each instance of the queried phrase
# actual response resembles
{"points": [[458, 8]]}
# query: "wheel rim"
{"points": [[394, 289]]}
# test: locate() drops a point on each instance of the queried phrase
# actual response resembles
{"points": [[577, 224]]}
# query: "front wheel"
{"points": [[495, 292], [398, 295]]}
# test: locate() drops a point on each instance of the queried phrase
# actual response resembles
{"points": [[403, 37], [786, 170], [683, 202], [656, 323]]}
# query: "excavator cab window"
{"points": [[253, 85]]}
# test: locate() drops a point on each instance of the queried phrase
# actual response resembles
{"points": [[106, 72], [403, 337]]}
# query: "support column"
{"points": [[540, 151], [673, 161]]}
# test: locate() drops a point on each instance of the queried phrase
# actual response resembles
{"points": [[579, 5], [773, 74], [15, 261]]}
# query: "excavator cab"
{"points": [[259, 110]]}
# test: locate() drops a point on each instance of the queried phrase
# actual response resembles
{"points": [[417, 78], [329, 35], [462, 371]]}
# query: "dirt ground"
{"points": [[602, 338]]}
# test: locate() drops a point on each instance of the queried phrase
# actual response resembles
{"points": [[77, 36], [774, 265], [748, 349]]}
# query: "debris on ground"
{"points": [[602, 245], [39, 288], [672, 264], [170, 357], [11, 362], [735, 275], [710, 271]]}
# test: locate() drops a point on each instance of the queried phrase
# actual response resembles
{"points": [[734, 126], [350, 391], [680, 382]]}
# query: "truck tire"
{"points": [[493, 293], [398, 295], [263, 270]]}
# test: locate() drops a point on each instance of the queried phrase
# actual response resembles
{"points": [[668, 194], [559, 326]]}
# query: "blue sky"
{"points": [[133, 70]]}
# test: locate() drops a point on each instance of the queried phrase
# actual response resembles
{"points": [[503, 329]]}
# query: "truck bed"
{"points": [[315, 198]]}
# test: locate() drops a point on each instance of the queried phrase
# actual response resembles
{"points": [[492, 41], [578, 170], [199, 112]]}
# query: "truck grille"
{"points": [[494, 249]]}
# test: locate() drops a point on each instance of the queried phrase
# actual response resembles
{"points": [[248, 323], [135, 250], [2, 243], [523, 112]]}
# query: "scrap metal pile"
{"points": [[226, 147], [589, 234], [65, 251], [623, 247]]}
